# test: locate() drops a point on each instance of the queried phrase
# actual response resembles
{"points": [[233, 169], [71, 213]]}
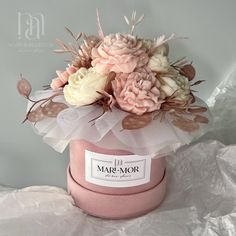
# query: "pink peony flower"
{"points": [[137, 92], [121, 53], [63, 77]]}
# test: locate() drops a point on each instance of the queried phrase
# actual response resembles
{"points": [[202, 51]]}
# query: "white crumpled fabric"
{"points": [[200, 200]]}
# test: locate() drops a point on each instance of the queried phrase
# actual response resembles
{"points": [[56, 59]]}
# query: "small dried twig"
{"points": [[72, 48], [46, 87], [108, 99], [70, 32], [198, 82]]}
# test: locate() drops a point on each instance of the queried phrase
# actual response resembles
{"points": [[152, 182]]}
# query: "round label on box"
{"points": [[117, 171]]}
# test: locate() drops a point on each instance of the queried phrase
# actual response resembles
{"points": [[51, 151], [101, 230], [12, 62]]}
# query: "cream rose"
{"points": [[158, 63], [178, 86], [83, 86]]}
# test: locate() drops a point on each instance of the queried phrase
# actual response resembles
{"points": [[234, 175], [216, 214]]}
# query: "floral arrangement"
{"points": [[125, 72]]}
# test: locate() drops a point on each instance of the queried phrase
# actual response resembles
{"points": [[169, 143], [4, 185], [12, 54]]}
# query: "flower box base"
{"points": [[114, 206], [112, 183]]}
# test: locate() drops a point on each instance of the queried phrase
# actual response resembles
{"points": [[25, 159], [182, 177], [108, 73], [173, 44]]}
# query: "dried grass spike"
{"points": [[140, 19], [126, 20], [132, 22], [70, 32], [159, 41]]}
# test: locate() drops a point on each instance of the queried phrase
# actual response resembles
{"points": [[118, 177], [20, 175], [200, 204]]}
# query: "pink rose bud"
{"points": [[63, 77]]}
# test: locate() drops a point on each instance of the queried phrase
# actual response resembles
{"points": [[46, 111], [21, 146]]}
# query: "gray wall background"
{"points": [[24, 158]]}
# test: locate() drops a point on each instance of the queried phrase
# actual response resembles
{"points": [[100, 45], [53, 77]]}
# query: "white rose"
{"points": [[158, 63], [180, 86], [83, 86]]}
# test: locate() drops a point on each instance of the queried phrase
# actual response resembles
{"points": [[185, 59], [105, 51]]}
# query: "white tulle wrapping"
{"points": [[156, 139]]}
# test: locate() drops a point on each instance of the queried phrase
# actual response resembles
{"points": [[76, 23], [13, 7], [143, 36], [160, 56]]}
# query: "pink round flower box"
{"points": [[113, 202], [139, 104]]}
